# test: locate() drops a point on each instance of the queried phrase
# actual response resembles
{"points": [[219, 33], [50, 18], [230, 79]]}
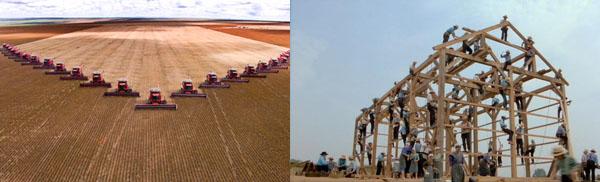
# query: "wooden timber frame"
{"points": [[437, 75]]}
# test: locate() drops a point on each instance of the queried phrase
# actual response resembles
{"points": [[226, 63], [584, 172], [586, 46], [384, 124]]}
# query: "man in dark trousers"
{"points": [[592, 164], [504, 29], [449, 32], [466, 48], [380, 160], [431, 107]]}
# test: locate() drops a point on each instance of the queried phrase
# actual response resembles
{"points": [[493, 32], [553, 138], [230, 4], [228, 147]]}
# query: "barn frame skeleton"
{"points": [[443, 70]]}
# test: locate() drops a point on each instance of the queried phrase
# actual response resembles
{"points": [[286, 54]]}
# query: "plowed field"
{"points": [[54, 130]]}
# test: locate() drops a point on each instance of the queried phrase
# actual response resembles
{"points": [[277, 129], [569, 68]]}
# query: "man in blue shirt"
{"points": [[380, 159], [505, 129], [322, 165], [449, 32]]}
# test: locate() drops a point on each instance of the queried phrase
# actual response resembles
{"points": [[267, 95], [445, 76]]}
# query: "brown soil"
{"points": [[277, 37], [53, 130]]}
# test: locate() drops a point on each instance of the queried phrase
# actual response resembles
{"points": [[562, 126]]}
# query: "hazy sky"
{"points": [[348, 52], [222, 9]]}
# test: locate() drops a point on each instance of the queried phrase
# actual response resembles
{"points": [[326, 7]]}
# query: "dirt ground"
{"points": [[53, 130], [277, 37], [153, 55]]}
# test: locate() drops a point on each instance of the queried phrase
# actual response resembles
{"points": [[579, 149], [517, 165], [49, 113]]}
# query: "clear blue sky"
{"points": [[277, 10], [347, 52]]}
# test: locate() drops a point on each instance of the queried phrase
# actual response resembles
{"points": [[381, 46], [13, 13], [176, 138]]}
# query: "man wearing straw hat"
{"points": [[564, 163]]}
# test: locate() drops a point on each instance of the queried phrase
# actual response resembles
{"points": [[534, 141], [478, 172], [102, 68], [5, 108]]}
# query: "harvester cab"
{"points": [[122, 90], [249, 71], [47, 64], [232, 73], [59, 69], [97, 77], [212, 81], [155, 97], [187, 85], [155, 101], [76, 71], [233, 76], [187, 90], [97, 81], [262, 67], [76, 74]]}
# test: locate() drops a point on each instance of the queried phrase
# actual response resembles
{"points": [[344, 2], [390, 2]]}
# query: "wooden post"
{"points": [[356, 123], [441, 106], [377, 108], [566, 120], [390, 142], [513, 146], [526, 138]]}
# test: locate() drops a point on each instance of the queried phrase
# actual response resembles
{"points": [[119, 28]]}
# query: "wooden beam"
{"points": [[468, 36]]}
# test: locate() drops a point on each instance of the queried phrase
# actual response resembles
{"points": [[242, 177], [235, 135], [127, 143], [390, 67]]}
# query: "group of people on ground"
{"points": [[589, 164], [347, 167], [412, 161]]}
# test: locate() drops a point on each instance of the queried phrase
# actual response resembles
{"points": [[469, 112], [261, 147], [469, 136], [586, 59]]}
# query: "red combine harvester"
{"points": [[76, 74], [233, 76], [6, 49], [187, 90], [48, 64], [24, 57], [262, 67], [213, 82], [249, 71], [34, 60], [155, 101], [274, 64], [97, 81], [283, 60], [59, 69], [16, 55], [122, 90]]}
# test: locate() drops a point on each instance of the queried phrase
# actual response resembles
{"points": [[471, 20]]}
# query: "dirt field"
{"points": [[150, 55], [53, 130]]}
